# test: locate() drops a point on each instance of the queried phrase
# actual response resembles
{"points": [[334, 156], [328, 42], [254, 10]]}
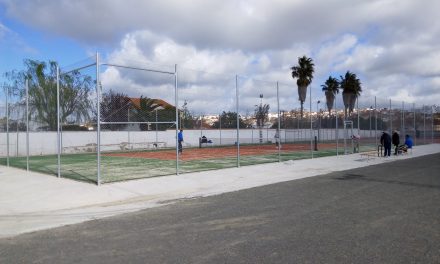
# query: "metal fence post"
{"points": [[337, 128], [6, 88], [98, 130], [176, 101], [58, 124], [358, 119], [375, 121], [414, 125], [311, 124], [424, 125], [403, 119], [391, 119], [238, 121], [27, 124], [432, 124], [278, 133]]}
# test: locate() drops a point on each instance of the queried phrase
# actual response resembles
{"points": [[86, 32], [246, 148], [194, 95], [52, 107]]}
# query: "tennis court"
{"points": [[120, 166]]}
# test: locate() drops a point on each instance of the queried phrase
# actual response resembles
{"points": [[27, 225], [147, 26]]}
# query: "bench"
{"points": [[373, 153], [203, 141], [370, 154]]}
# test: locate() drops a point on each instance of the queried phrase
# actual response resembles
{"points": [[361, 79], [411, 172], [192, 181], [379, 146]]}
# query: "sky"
{"points": [[393, 46]]}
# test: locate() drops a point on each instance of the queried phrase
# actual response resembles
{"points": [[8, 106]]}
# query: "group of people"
{"points": [[386, 140]]}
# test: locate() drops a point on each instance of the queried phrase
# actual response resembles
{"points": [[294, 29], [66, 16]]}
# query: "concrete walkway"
{"points": [[33, 201]]}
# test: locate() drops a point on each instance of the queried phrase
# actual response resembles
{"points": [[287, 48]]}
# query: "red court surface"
{"points": [[221, 152]]}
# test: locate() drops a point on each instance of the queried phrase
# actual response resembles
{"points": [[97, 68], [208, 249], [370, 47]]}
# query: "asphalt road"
{"points": [[388, 213]]}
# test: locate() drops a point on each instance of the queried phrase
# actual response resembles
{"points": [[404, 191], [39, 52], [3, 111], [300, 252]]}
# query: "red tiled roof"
{"points": [[162, 103]]}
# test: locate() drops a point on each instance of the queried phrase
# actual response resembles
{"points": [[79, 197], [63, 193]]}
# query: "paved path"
{"points": [[32, 201], [388, 213]]}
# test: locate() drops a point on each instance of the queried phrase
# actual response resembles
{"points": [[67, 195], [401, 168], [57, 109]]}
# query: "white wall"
{"points": [[43, 143]]}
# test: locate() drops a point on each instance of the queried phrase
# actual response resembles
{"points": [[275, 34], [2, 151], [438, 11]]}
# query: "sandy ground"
{"points": [[31, 201]]}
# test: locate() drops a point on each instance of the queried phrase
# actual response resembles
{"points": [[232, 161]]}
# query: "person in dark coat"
{"points": [[396, 141], [385, 141]]}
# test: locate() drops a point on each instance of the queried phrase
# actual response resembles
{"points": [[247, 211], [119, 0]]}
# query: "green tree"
{"points": [[261, 114], [115, 107], [145, 112], [74, 92], [304, 73], [331, 88], [351, 90], [228, 120]]}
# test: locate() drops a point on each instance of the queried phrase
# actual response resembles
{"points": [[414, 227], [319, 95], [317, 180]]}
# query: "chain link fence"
{"points": [[105, 121]]}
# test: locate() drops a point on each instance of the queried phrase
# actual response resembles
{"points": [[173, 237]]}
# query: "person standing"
{"points": [[396, 141], [385, 141], [180, 140]]}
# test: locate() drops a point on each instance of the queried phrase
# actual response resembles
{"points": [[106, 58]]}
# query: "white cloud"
{"points": [[391, 45]]}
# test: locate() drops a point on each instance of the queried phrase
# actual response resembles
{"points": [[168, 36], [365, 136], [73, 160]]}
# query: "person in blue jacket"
{"points": [[407, 145], [180, 140], [408, 141], [385, 141]]}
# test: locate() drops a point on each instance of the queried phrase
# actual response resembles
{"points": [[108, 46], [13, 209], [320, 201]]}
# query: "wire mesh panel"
{"points": [[4, 126], [368, 135], [208, 118], [137, 120], [296, 129], [78, 115], [259, 105]]}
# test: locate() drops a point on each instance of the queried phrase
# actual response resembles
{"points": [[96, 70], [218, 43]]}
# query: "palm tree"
{"points": [[304, 72], [144, 112], [351, 90], [331, 88]]}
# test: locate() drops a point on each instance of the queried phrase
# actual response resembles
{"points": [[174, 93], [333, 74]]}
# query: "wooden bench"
{"points": [[370, 154]]}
